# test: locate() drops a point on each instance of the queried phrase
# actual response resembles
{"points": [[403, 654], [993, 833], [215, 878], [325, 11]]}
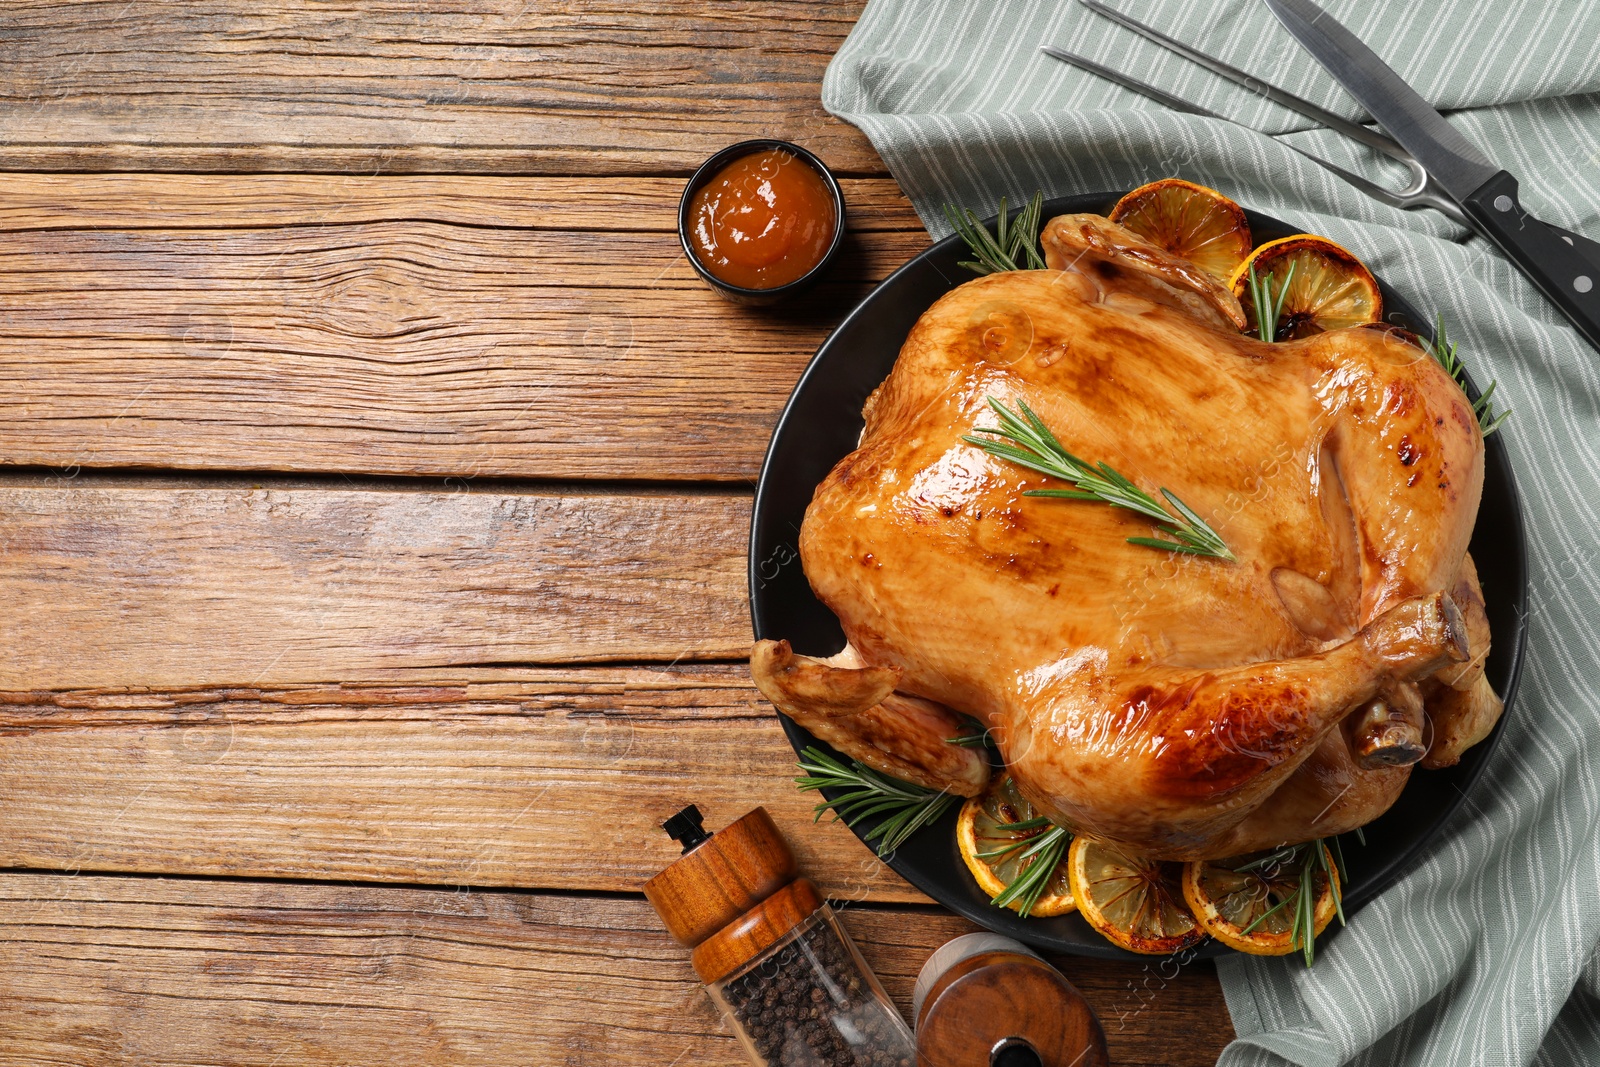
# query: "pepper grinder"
{"points": [[771, 952], [983, 1000]]}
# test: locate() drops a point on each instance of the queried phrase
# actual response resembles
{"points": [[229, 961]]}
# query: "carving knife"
{"points": [[1561, 265]]}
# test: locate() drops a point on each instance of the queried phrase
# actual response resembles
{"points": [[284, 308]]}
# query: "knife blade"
{"points": [[1438, 146], [1488, 194]]}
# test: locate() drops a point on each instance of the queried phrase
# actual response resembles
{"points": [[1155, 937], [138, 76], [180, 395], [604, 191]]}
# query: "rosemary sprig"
{"points": [[907, 808], [1013, 246], [1311, 859], [1026, 441], [1261, 297], [975, 736], [1444, 350], [1035, 866]]}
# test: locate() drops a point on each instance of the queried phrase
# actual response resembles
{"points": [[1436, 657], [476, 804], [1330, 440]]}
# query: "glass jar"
{"points": [[773, 956], [809, 1000]]}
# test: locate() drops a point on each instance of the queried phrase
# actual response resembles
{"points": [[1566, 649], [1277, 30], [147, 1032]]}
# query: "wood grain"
{"points": [[497, 86], [213, 201], [166, 584], [112, 971], [481, 281], [547, 779], [720, 879], [989, 998], [500, 328]]}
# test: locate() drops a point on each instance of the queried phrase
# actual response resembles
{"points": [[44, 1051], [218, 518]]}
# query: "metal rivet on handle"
{"points": [[1502, 203], [1583, 283]]}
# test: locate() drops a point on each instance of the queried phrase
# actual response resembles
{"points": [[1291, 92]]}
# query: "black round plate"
{"points": [[819, 427]]}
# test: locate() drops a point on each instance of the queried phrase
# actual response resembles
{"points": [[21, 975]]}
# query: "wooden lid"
{"points": [[998, 1008], [755, 931], [722, 877]]}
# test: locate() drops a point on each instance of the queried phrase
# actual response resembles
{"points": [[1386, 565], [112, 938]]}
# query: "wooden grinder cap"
{"points": [[757, 930], [986, 1001], [720, 876]]}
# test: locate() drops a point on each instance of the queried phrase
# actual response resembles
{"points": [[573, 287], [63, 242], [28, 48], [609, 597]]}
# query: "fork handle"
{"points": [[1565, 276]]}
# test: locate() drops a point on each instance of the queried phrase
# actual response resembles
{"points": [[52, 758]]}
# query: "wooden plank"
{"points": [[166, 584], [550, 779], [493, 86], [110, 971], [386, 327], [212, 201]]}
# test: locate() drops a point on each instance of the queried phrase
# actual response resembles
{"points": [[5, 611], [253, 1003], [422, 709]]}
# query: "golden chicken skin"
{"points": [[1183, 706]]}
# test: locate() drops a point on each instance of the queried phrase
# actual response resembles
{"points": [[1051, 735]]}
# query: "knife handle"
{"points": [[1565, 276], [1588, 249]]}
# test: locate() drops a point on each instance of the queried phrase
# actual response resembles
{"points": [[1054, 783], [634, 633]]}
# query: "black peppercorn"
{"points": [[808, 1006]]}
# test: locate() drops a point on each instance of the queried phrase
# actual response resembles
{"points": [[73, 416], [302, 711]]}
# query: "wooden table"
{"points": [[372, 531]]}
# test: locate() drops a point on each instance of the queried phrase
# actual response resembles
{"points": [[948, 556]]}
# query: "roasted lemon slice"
{"points": [[1188, 220], [1327, 287], [1252, 903], [1002, 839], [1132, 901]]}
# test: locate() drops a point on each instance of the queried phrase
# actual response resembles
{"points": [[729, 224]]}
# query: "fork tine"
{"points": [[1127, 81], [1166, 99], [1278, 96]]}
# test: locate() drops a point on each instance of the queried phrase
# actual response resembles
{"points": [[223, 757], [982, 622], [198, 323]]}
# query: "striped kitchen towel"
{"points": [[1485, 953]]}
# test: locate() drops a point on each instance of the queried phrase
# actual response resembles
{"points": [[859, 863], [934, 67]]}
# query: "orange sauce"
{"points": [[763, 221]]}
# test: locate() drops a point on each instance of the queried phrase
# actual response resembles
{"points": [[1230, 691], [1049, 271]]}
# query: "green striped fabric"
{"points": [[1485, 953]]}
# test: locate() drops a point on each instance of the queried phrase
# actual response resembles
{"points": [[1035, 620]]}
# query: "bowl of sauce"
{"points": [[761, 220]]}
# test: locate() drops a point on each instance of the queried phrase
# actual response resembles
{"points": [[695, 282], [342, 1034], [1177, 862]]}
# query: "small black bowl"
{"points": [[710, 169]]}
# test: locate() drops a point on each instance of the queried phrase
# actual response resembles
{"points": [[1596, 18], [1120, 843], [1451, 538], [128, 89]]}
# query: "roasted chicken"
{"points": [[1181, 706]]}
